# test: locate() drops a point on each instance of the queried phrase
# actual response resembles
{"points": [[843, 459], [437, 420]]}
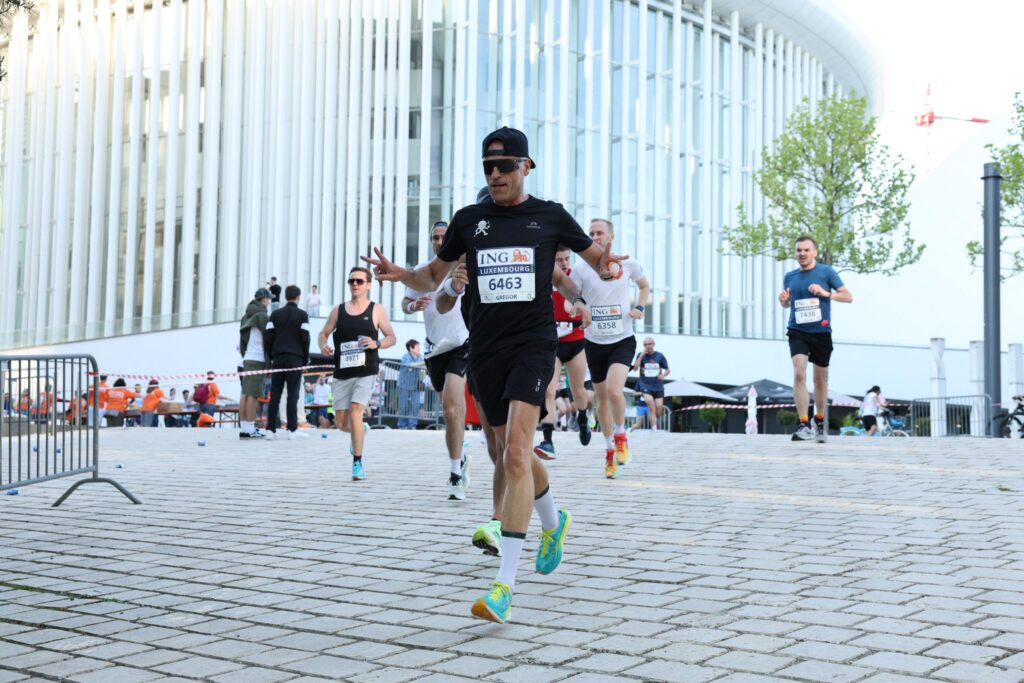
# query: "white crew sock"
{"points": [[546, 510], [456, 466], [620, 429], [609, 442], [248, 427], [511, 550]]}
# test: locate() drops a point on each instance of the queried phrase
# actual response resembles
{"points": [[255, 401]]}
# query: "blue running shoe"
{"points": [[357, 471], [496, 606], [549, 556]]}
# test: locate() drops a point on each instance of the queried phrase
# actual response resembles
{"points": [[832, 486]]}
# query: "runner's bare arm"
{"points": [[645, 294], [321, 339], [460, 277], [565, 285], [384, 325], [784, 298], [423, 279]]}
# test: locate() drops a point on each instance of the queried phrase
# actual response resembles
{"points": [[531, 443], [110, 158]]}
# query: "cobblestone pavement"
{"points": [[712, 558]]}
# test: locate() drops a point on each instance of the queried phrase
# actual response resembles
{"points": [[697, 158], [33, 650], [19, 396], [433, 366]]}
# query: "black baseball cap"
{"points": [[514, 144]]}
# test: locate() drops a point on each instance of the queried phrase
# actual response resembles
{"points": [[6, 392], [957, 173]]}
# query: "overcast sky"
{"points": [[970, 52]]}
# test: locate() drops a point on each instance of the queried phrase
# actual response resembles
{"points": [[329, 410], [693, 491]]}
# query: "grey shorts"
{"points": [[353, 390], [252, 385]]}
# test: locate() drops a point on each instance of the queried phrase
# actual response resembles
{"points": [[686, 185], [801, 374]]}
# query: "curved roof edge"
{"points": [[821, 28]]}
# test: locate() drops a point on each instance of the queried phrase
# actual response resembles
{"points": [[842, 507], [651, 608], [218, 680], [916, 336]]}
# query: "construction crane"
{"points": [[929, 117]]}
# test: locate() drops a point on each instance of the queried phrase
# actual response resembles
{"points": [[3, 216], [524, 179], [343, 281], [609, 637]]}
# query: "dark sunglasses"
{"points": [[503, 165], [356, 281]]}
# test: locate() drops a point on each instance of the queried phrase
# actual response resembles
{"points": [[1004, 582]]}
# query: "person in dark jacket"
{"points": [[287, 343], [254, 358]]}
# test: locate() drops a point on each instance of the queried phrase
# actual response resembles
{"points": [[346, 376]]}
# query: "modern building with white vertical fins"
{"points": [[161, 159]]}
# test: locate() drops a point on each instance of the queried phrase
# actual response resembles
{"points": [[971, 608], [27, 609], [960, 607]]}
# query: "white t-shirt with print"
{"points": [[449, 326], [609, 301]]}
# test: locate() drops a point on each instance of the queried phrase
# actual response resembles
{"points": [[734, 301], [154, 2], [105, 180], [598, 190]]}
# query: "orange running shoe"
{"points": [[622, 449], [611, 470]]}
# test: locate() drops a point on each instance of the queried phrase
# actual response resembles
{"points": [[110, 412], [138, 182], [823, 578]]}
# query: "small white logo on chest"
{"points": [[481, 228]]}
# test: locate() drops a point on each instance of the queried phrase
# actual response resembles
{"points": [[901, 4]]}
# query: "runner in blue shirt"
{"points": [[808, 292]]}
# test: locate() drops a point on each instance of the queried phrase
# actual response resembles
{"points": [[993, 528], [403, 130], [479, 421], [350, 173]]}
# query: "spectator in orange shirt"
{"points": [[207, 398], [97, 402], [117, 400], [152, 399], [25, 403]]}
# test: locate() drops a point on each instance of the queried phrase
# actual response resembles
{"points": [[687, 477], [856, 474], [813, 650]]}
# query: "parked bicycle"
{"points": [[888, 425], [1012, 418]]}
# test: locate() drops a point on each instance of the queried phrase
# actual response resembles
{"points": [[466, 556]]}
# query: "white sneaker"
{"points": [[270, 436], [805, 433], [297, 435], [456, 487], [465, 471]]}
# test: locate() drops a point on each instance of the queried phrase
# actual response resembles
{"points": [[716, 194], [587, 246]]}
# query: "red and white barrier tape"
{"points": [[204, 375], [760, 406]]}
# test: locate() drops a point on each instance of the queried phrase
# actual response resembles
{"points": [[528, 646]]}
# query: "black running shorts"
{"points": [[453, 362], [519, 373], [600, 357], [817, 347], [569, 350]]}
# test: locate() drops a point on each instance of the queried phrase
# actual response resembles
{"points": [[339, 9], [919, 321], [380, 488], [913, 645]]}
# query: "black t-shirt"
{"points": [[275, 293], [510, 253]]}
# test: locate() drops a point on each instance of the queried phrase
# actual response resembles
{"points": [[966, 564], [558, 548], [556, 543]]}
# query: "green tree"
{"points": [[829, 177], [1011, 165], [7, 10], [714, 417]]}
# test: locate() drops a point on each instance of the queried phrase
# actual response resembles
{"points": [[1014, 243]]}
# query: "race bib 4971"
{"points": [[506, 274]]}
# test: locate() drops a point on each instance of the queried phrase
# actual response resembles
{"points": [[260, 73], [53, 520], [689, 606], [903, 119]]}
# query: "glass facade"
{"points": [[293, 136]]}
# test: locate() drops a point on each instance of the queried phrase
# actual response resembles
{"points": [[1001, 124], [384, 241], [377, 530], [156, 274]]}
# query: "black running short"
{"points": [[657, 393], [569, 350], [564, 394], [600, 357], [518, 373], [817, 347], [439, 366], [868, 421], [588, 385]]}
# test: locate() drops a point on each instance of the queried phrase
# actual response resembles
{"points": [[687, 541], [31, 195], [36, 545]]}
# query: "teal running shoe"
{"points": [[488, 538], [357, 470], [496, 606], [549, 556]]}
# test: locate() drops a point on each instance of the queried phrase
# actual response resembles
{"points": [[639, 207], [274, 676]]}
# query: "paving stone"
{"points": [[753, 662], [825, 672], [967, 672], [899, 661]]}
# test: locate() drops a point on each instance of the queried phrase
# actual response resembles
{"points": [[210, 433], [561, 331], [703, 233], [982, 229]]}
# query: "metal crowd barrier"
{"points": [[407, 399], [46, 431], [951, 416]]}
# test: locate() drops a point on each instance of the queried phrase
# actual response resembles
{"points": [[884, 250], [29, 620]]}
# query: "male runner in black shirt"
{"points": [[510, 246]]}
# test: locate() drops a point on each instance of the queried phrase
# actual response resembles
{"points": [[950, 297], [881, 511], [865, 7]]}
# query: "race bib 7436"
{"points": [[807, 310]]}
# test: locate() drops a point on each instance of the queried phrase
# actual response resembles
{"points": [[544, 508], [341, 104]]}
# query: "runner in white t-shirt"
{"points": [[610, 344], [445, 356]]}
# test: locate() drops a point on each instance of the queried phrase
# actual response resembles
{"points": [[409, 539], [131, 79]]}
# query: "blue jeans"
{"points": [[408, 405]]}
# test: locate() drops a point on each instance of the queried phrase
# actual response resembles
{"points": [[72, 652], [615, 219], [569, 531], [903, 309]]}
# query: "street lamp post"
{"points": [[992, 180]]}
